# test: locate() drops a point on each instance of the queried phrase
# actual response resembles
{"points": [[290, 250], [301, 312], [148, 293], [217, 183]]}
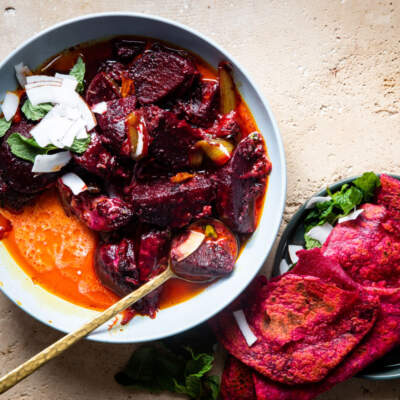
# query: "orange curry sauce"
{"points": [[57, 251]]}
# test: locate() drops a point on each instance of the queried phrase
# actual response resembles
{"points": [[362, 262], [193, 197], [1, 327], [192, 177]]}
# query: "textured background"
{"points": [[329, 69]]}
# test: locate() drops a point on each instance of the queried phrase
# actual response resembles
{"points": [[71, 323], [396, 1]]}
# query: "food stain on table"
{"points": [[57, 253]]}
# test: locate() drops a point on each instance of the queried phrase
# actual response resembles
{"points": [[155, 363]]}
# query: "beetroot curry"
{"points": [[167, 166]]}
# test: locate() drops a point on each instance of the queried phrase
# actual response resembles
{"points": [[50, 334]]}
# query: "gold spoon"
{"points": [[30, 366]]}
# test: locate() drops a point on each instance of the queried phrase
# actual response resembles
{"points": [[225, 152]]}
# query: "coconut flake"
{"points": [[74, 182], [293, 249], [34, 80], [284, 266], [320, 232], [352, 216], [189, 246], [44, 92], [10, 105], [22, 72], [317, 199], [244, 327], [51, 162], [87, 115], [68, 80], [99, 108]]}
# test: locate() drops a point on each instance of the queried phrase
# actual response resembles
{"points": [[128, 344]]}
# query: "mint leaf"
{"points": [[212, 383], [34, 113], [80, 145], [343, 201], [78, 72], [311, 243], [26, 148], [367, 183], [4, 126], [348, 199], [183, 370]]}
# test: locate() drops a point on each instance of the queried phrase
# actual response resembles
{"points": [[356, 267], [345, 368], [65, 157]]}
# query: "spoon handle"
{"points": [[25, 369]]}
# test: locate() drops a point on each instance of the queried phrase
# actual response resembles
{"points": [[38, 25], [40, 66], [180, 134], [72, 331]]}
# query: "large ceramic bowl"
{"points": [[65, 316]]}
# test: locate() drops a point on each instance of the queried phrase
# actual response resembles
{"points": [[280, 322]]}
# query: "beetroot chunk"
{"points": [[99, 161], [164, 203], [113, 124], [12, 200], [17, 172], [115, 265], [215, 257], [226, 126], [241, 182], [172, 139], [126, 50], [113, 69], [98, 212], [153, 249], [158, 74], [101, 88], [201, 108]]}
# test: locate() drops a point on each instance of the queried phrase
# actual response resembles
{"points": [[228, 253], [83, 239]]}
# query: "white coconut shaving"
{"points": [[293, 249], [284, 266], [352, 216], [74, 182], [10, 105], [320, 232], [46, 163], [244, 327]]}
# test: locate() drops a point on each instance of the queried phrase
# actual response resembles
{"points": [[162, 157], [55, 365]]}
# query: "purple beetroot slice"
{"points": [[158, 74], [101, 88], [241, 182]]}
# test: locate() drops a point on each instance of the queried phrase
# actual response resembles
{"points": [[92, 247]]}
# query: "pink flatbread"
{"points": [[306, 322], [367, 248], [383, 337]]}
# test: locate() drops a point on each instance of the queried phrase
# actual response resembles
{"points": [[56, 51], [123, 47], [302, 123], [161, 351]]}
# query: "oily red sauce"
{"points": [[57, 251]]}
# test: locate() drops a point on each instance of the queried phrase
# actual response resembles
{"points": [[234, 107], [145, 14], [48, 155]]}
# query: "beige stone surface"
{"points": [[330, 70]]}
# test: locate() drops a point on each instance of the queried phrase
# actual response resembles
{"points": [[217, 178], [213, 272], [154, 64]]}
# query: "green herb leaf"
{"points": [[212, 383], [311, 243], [28, 148], [157, 367], [34, 113], [80, 145], [343, 201], [25, 148], [368, 183], [78, 71], [347, 199], [4, 126]]}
